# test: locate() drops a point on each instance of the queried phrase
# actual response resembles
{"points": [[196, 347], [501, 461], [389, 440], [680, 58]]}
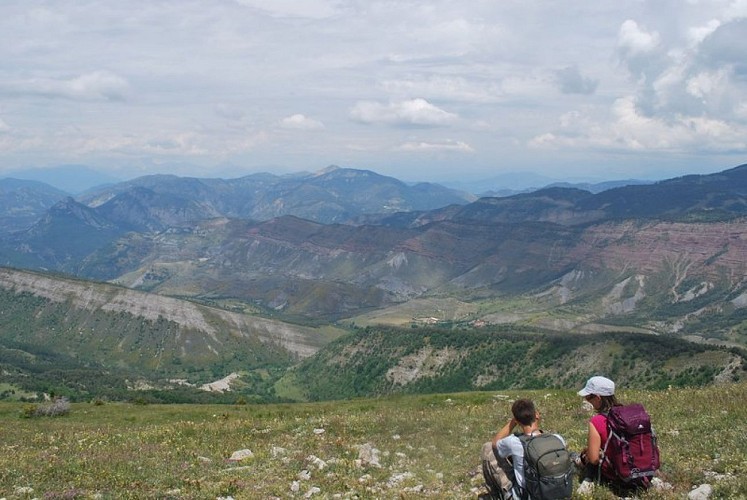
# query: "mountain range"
{"points": [[354, 248]]}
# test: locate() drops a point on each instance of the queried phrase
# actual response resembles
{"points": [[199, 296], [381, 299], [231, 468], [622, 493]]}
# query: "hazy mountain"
{"points": [[667, 261], [23, 202], [668, 250], [331, 195], [598, 187], [72, 179], [718, 196]]}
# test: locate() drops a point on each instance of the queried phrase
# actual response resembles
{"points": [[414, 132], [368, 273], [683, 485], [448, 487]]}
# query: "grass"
{"points": [[427, 446]]}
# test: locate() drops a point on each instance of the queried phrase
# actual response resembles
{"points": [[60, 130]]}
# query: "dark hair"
{"points": [[524, 411], [607, 402]]}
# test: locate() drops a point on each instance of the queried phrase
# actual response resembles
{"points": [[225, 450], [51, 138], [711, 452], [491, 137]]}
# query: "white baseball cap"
{"points": [[601, 386]]}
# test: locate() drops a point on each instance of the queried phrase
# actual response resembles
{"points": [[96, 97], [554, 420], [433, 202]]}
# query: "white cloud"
{"points": [[633, 40], [314, 9], [698, 33], [225, 84], [414, 112], [94, 86], [454, 146], [300, 122], [707, 83], [630, 130]]}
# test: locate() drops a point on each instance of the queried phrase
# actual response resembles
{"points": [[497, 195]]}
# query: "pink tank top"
{"points": [[599, 422]]}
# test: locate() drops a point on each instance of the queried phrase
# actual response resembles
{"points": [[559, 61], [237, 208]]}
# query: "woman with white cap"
{"points": [[600, 393]]}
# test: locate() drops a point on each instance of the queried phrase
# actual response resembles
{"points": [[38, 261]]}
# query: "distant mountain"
{"points": [[718, 196], [61, 239], [598, 187], [23, 202], [72, 179], [331, 195], [665, 257], [507, 183]]}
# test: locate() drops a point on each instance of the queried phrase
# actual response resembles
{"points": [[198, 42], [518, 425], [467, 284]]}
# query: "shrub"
{"points": [[56, 408]]}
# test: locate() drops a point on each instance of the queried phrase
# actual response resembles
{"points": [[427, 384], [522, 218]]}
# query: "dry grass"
{"points": [[428, 446]]}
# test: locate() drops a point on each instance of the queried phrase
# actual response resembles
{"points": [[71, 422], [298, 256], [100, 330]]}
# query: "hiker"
{"points": [[503, 458], [599, 392], [621, 450]]}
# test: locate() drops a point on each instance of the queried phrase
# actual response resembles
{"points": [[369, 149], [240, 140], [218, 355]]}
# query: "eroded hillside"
{"points": [[146, 336]]}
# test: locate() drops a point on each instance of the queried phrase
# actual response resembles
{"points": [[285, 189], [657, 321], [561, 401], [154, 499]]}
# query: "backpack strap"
{"points": [[603, 451], [524, 440]]}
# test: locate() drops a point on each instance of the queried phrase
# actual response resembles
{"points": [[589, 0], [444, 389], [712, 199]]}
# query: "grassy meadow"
{"points": [[394, 447]]}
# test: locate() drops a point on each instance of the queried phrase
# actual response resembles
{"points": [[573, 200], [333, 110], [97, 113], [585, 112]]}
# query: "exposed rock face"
{"points": [[424, 363]]}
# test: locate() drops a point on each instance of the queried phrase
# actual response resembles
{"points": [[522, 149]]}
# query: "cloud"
{"points": [[4, 127], [453, 146], [414, 112], [628, 129], [300, 122], [94, 86], [229, 112], [313, 9], [632, 40], [571, 81], [727, 44], [697, 34]]}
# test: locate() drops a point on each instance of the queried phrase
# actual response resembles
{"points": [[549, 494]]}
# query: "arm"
{"points": [[504, 432], [593, 446]]}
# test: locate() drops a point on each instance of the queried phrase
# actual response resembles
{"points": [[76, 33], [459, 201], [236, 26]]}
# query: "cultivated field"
{"points": [[399, 447]]}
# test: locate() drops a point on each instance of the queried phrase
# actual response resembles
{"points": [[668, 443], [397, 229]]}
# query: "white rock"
{"points": [[276, 451], [702, 492], [414, 489], [398, 478], [295, 486], [660, 485], [23, 490], [240, 455], [316, 461], [585, 489], [304, 475], [318, 431], [312, 491], [368, 455]]}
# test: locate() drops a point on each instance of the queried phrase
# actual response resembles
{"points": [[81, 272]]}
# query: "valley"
{"points": [[172, 278]]}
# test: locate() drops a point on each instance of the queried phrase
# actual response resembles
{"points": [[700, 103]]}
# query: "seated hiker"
{"points": [[612, 424], [600, 393], [504, 457]]}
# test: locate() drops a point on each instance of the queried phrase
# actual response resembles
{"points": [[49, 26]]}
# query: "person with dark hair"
{"points": [[599, 392], [503, 457]]}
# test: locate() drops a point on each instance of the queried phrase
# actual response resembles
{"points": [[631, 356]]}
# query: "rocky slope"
{"points": [[148, 336]]}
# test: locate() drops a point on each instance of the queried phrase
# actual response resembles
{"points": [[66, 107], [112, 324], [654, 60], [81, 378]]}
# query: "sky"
{"points": [[428, 90]]}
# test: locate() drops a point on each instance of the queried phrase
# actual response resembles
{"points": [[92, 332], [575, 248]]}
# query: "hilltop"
{"points": [[394, 447]]}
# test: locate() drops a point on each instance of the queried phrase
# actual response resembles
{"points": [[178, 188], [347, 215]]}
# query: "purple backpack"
{"points": [[631, 455]]}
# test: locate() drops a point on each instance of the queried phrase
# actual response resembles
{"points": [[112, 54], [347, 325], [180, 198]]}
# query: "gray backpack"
{"points": [[548, 468]]}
